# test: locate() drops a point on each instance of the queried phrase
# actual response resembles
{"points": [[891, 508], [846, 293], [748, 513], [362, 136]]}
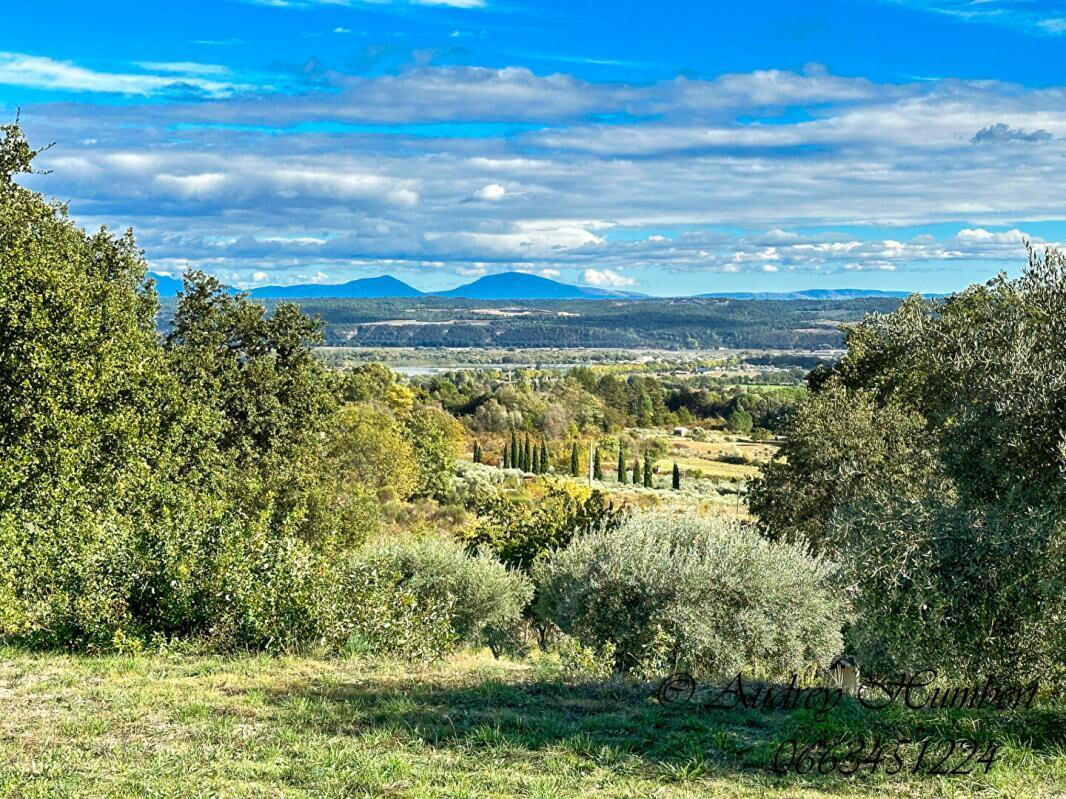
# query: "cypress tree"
{"points": [[575, 465], [647, 472], [529, 455], [621, 466], [543, 457], [597, 469], [677, 477], [477, 452], [506, 456], [636, 471], [514, 450]]}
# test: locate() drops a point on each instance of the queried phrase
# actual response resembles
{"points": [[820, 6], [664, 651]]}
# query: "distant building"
{"points": [[681, 431]]}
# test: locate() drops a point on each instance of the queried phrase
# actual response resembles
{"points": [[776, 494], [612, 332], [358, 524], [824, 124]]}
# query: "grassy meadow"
{"points": [[251, 726]]}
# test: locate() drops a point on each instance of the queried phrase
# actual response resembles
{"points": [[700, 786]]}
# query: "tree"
{"points": [[369, 447], [436, 438], [647, 472], [375, 382], [517, 531], [928, 463], [527, 454], [676, 478], [177, 488], [506, 456], [636, 471], [621, 465], [575, 463], [257, 373], [477, 451], [516, 456], [739, 421], [597, 469]]}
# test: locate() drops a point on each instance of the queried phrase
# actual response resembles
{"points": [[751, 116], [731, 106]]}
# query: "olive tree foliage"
{"points": [[697, 593], [932, 463]]}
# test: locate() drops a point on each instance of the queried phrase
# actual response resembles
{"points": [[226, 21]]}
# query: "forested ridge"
{"points": [[690, 323]]}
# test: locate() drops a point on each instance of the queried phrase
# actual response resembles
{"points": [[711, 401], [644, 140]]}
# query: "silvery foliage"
{"points": [[700, 593]]}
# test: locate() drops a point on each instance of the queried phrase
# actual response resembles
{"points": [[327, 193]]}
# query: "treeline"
{"points": [[595, 400], [676, 324]]}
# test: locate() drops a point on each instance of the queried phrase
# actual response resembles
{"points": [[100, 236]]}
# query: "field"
{"points": [[707, 456], [182, 726]]}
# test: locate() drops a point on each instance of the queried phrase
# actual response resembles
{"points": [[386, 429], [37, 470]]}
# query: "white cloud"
{"points": [[38, 72], [492, 192], [606, 278], [340, 29], [260, 277], [1030, 17], [1013, 237], [452, 3]]}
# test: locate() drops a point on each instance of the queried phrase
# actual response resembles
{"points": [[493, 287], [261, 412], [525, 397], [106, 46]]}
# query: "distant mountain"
{"points": [[365, 287], [166, 286], [809, 294], [507, 286], [523, 286]]}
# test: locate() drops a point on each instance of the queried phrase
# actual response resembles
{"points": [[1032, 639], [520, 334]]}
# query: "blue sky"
{"points": [[670, 148]]}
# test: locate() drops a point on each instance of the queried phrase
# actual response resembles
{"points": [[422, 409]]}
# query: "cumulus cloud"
{"points": [[606, 278], [491, 192]]}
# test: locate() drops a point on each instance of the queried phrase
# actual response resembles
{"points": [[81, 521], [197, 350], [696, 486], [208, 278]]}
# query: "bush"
{"points": [[419, 599], [698, 593]]}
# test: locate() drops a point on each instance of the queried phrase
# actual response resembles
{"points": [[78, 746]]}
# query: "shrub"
{"points": [[399, 594], [517, 531], [700, 593], [375, 613]]}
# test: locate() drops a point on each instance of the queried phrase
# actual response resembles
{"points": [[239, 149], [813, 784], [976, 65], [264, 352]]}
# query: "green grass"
{"points": [[260, 726]]}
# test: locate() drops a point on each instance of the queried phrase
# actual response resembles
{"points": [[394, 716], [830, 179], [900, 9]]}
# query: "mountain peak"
{"points": [[526, 286]]}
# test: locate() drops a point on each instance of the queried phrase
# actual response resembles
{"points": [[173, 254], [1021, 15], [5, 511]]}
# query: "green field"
{"points": [[473, 727]]}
